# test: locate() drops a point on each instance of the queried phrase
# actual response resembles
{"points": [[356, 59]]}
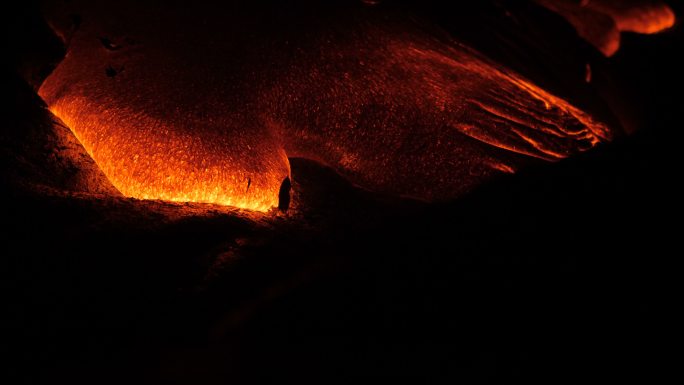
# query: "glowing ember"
{"points": [[601, 21], [211, 115]]}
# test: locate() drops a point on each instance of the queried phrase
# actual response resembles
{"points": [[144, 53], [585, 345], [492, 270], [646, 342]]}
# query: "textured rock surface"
{"points": [[180, 103]]}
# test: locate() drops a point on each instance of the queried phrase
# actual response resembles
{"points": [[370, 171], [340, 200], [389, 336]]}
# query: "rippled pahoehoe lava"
{"points": [[211, 113]]}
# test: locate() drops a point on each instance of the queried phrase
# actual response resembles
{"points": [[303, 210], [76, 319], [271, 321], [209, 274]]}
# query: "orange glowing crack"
{"points": [[203, 118]]}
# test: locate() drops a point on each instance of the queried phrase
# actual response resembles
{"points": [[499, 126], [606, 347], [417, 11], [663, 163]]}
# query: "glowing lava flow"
{"points": [[410, 115], [640, 16], [601, 21], [211, 116], [161, 162], [159, 132]]}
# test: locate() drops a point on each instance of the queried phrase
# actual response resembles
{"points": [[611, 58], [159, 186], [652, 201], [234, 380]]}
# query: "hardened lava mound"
{"points": [[181, 103]]}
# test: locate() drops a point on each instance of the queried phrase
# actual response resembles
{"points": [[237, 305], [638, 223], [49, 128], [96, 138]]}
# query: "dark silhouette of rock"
{"points": [[284, 195]]}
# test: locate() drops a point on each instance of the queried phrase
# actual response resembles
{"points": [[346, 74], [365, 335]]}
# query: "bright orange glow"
{"points": [[387, 104], [636, 16], [173, 156], [425, 119], [159, 163], [600, 21]]}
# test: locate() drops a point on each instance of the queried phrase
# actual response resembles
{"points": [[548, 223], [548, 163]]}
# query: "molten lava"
{"points": [[211, 113], [600, 21]]}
